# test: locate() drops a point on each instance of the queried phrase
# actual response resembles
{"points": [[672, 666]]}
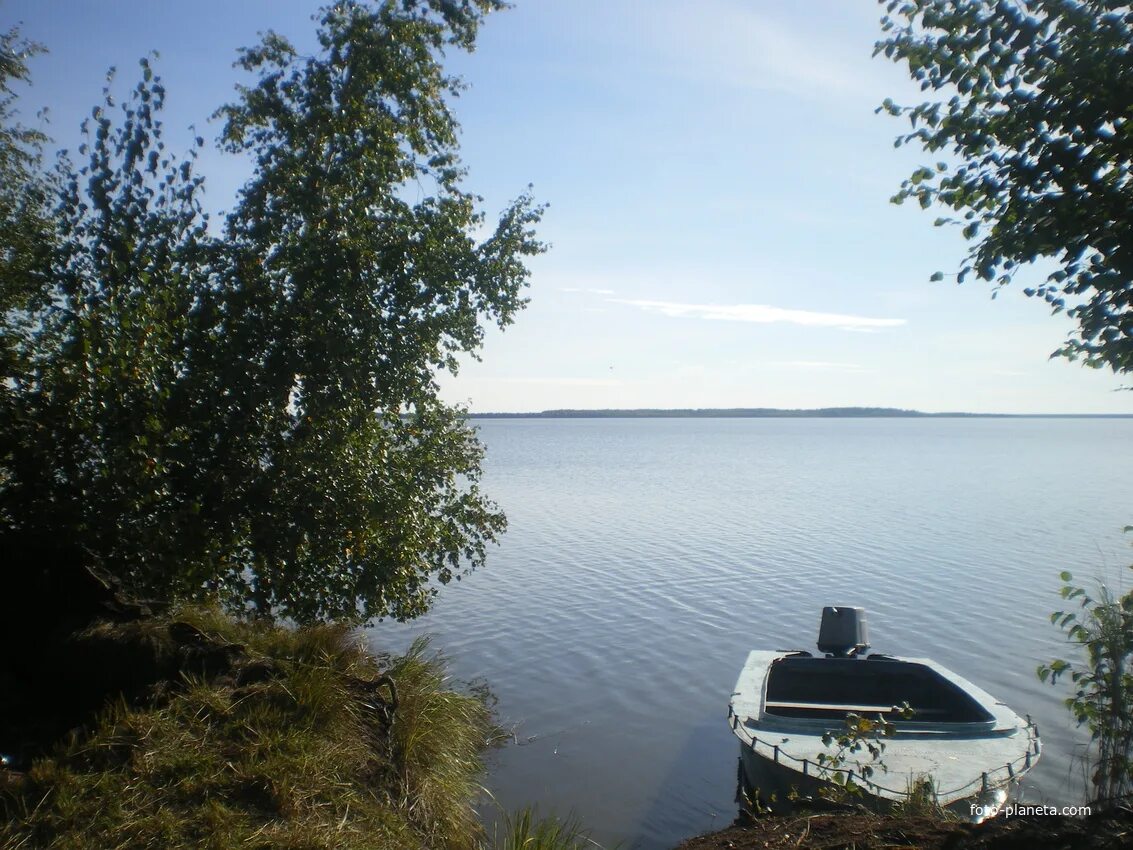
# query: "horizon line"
{"points": [[772, 412]]}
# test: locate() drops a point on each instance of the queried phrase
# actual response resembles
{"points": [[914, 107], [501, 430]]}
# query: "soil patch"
{"points": [[862, 831]]}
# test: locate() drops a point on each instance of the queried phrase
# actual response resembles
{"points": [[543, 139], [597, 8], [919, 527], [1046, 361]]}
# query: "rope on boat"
{"points": [[994, 778]]}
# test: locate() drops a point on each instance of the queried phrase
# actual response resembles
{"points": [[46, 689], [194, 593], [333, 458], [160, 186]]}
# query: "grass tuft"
{"points": [[525, 830], [921, 800], [438, 738]]}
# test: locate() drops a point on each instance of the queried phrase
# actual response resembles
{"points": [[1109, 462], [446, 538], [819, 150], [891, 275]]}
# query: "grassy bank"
{"points": [[253, 736]]}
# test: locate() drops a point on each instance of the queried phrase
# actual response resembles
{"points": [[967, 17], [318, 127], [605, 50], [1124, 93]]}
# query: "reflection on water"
{"points": [[645, 558]]}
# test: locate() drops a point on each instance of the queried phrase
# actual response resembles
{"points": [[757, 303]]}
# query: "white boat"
{"points": [[972, 746]]}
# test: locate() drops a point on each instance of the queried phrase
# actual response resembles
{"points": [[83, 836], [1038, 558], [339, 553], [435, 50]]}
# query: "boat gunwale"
{"points": [[1005, 724]]}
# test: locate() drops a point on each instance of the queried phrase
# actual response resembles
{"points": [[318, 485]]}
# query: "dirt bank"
{"points": [[877, 832]]}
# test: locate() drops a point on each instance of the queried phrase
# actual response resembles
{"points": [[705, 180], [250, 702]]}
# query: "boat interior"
{"points": [[805, 687]]}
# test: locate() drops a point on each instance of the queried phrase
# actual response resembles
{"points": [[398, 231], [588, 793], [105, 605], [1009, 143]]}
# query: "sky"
{"points": [[720, 226]]}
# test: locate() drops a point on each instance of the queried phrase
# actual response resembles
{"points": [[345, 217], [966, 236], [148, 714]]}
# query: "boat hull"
{"points": [[765, 785], [974, 753]]}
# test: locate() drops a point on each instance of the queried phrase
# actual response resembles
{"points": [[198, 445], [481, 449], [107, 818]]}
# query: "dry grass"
{"points": [[288, 741]]}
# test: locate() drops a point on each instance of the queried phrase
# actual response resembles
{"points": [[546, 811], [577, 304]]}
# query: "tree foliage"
{"points": [[24, 216], [251, 410], [1039, 119]]}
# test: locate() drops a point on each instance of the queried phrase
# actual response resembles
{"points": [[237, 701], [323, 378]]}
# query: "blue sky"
{"points": [[720, 225]]}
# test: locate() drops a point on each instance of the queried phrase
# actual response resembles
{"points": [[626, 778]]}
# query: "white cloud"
{"points": [[818, 365], [1008, 373], [760, 313], [558, 382], [590, 290], [737, 42]]}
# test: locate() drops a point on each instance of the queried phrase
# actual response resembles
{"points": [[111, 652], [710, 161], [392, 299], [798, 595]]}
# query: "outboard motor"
{"points": [[843, 632]]}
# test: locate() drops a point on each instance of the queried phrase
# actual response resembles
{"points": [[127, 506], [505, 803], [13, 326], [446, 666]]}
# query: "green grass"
{"points": [[921, 800], [525, 830], [268, 738]]}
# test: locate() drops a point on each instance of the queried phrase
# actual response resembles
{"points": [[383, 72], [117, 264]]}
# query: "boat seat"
{"points": [[831, 706], [771, 705]]}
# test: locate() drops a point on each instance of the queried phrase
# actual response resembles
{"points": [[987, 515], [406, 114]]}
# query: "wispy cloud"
{"points": [[591, 290], [559, 382], [760, 313], [743, 45], [818, 365]]}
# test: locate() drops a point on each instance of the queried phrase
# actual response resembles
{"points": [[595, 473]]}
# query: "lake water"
{"points": [[646, 557]]}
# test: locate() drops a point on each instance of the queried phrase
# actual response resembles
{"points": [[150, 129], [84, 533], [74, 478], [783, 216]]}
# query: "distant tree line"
{"points": [[766, 412], [708, 412]]}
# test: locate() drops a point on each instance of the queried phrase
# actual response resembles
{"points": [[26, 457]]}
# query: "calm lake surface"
{"points": [[646, 557]]}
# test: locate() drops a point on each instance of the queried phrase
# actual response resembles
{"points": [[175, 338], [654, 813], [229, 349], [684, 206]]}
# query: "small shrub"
{"points": [[844, 767], [1103, 686]]}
